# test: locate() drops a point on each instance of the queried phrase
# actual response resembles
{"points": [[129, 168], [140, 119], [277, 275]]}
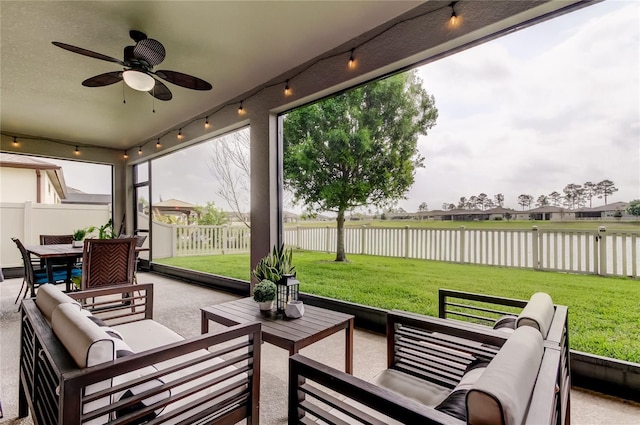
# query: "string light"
{"points": [[125, 156], [158, 145], [180, 136], [287, 90], [241, 110], [206, 122], [15, 141], [77, 151], [352, 60], [140, 150], [454, 21]]}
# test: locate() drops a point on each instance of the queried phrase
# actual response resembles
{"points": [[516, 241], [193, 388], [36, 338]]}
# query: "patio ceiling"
{"points": [[235, 45]]}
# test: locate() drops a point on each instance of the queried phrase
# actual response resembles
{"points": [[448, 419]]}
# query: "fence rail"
{"points": [[577, 251]]}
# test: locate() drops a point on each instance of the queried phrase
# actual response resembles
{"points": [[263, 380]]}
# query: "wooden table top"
{"points": [[55, 250], [315, 324]]}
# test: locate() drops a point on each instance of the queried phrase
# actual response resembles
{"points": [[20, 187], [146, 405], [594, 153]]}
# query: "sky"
{"points": [[528, 113]]}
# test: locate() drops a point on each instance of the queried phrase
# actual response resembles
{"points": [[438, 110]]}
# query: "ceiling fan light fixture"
{"points": [[138, 80]]}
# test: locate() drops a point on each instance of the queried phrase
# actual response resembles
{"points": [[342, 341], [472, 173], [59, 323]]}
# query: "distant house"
{"points": [[75, 196], [615, 210], [546, 213], [24, 178], [289, 217], [501, 213]]}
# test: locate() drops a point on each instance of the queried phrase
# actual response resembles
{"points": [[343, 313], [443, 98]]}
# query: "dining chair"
{"points": [[54, 240], [107, 262], [34, 275]]}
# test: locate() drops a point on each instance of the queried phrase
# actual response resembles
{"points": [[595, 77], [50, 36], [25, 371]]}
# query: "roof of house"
{"points": [[173, 203], [54, 171], [609, 207], [75, 196]]}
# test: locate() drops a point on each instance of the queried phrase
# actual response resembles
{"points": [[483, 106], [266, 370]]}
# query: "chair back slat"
{"points": [[107, 262], [55, 239], [29, 275]]}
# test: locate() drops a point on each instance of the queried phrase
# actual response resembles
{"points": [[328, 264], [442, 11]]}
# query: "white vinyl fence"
{"points": [[578, 251], [172, 240]]}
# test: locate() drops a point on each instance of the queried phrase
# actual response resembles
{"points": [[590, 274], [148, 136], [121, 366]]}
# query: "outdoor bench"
{"points": [[446, 371], [97, 357]]}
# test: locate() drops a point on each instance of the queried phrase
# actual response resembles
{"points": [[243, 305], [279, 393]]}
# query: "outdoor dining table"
{"points": [[61, 252]]}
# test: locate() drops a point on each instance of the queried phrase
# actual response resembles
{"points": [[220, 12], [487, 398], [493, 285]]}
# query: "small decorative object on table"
{"points": [[294, 310], [288, 290], [264, 293]]}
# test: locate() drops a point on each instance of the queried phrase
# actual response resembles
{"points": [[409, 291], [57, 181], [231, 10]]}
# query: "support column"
{"points": [[265, 225]]}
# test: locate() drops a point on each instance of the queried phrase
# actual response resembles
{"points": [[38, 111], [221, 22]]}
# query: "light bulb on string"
{"points": [[454, 20], [287, 90], [180, 136], [241, 110], [125, 156], [15, 141], [352, 60], [206, 122], [77, 151], [158, 145], [139, 150]]}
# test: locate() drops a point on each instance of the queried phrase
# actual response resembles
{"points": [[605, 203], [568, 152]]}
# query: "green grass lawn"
{"points": [[604, 313]]}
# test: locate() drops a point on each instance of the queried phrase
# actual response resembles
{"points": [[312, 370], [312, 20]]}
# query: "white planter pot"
{"points": [[77, 244], [294, 309], [266, 305]]}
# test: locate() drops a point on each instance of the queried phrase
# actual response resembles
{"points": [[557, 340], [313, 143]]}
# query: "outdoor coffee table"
{"points": [[291, 334]]}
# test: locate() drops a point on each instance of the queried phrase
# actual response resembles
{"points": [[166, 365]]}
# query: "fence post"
{"points": [[363, 239], [174, 240], [326, 240], [225, 237], [602, 241], [535, 247], [406, 241], [463, 236], [298, 236]]}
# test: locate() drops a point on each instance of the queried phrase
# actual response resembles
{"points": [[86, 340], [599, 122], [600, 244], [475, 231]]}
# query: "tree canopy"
{"points": [[357, 148]]}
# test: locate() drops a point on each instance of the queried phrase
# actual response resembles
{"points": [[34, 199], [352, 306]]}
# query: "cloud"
{"points": [[553, 104]]}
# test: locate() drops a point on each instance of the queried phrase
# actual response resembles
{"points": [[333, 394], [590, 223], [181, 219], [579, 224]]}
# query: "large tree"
{"points": [[357, 148], [499, 198], [605, 189]]}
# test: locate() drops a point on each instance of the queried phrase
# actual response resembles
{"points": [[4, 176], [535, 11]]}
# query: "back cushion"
{"points": [[88, 345], [49, 297], [501, 394], [538, 313]]}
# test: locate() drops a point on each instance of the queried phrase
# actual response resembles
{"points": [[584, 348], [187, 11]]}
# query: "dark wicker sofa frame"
{"points": [[52, 386], [421, 346]]}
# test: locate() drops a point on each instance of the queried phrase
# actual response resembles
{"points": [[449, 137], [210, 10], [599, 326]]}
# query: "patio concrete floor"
{"points": [[177, 305]]}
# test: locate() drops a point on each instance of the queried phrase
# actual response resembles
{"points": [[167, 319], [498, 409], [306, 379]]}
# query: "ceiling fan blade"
{"points": [[86, 52], [184, 80], [160, 91], [103, 79]]}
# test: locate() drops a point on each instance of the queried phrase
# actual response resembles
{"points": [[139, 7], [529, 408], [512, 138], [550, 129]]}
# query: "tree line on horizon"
{"points": [[573, 196]]}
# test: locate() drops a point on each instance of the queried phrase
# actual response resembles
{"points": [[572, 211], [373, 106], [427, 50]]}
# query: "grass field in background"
{"points": [[604, 313], [486, 224]]}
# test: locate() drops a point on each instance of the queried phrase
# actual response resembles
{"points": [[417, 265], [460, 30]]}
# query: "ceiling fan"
{"points": [[138, 74]]}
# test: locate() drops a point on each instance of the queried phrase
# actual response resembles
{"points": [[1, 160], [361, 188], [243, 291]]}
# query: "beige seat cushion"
{"points": [[146, 334], [49, 297], [424, 392], [501, 394], [538, 313]]}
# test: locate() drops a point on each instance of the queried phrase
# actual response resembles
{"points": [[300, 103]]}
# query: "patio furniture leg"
{"points": [[20, 292]]}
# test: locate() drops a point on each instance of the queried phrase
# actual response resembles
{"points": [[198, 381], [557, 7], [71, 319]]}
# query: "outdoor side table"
{"points": [[293, 335]]}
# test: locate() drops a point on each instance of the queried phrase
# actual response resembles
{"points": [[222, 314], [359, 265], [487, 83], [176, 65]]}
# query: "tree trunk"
{"points": [[340, 256]]}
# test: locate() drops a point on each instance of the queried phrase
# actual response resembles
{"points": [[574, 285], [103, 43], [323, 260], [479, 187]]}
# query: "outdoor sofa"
{"points": [[98, 357], [447, 371]]}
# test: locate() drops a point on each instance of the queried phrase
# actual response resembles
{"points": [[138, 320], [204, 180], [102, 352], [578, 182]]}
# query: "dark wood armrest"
{"points": [[118, 304], [302, 395]]}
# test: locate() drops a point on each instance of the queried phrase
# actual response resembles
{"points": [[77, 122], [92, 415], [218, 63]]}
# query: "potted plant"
{"points": [[79, 235], [264, 293], [275, 265]]}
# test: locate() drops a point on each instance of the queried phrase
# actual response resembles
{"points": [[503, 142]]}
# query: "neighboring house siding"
{"points": [[18, 185], [49, 194]]}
